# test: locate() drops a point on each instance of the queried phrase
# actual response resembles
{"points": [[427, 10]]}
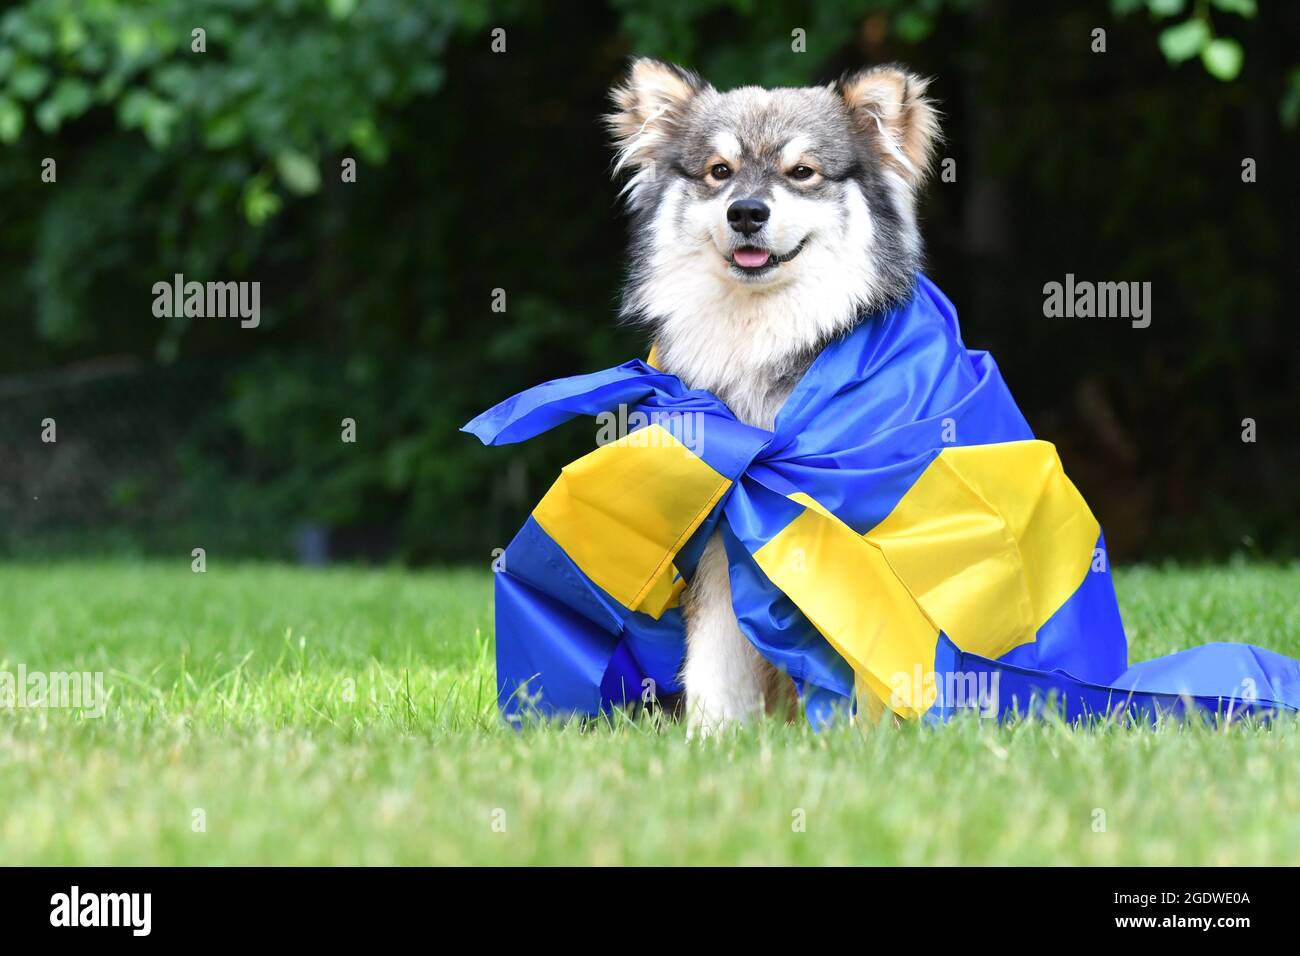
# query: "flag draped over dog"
{"points": [[899, 540]]}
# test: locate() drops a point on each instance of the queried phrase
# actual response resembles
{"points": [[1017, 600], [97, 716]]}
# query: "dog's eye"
{"points": [[720, 171], [802, 172]]}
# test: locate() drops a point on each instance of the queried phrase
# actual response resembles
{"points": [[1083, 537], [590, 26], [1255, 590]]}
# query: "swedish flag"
{"points": [[898, 540]]}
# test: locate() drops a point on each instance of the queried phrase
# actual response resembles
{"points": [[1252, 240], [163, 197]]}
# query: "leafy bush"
{"points": [[478, 171]]}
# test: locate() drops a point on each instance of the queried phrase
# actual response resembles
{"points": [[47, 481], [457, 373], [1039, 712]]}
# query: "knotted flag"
{"points": [[898, 541]]}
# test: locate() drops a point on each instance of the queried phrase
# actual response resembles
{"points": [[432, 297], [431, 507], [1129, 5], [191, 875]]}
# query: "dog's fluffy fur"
{"points": [[837, 170]]}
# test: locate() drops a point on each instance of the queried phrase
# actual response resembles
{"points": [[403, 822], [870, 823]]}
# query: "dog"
{"points": [[764, 224]]}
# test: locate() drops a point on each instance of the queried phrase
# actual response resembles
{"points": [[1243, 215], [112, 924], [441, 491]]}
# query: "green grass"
{"points": [[347, 716]]}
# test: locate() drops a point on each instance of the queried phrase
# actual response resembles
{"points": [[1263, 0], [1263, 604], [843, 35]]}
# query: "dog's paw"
{"points": [[710, 719], [699, 727]]}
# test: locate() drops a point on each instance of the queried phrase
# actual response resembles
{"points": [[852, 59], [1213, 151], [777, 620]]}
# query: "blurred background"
{"points": [[480, 170]]}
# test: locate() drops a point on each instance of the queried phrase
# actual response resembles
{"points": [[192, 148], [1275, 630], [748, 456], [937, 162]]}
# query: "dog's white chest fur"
{"points": [[730, 361]]}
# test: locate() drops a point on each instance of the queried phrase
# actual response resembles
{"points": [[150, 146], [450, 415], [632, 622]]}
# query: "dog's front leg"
{"points": [[725, 676]]}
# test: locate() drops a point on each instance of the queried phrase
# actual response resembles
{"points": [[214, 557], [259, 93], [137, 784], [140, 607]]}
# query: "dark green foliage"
{"points": [[479, 171]]}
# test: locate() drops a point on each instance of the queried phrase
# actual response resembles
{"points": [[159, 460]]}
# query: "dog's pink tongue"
{"points": [[751, 258]]}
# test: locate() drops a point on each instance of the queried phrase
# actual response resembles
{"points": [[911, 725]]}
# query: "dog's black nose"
{"points": [[747, 215]]}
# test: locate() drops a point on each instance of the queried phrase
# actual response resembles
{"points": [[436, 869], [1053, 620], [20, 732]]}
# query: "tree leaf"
{"points": [[48, 116], [1243, 8], [72, 96], [298, 171], [1222, 57], [1184, 41], [223, 131], [11, 120], [259, 201], [28, 81], [1166, 8]]}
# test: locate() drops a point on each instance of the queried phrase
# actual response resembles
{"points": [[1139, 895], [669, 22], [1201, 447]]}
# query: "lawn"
{"points": [[263, 714]]}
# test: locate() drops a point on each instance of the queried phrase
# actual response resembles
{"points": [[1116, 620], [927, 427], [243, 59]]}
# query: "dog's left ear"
{"points": [[890, 105]]}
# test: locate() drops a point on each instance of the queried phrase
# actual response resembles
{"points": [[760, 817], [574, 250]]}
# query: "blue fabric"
{"points": [[871, 413], [565, 646], [1091, 610]]}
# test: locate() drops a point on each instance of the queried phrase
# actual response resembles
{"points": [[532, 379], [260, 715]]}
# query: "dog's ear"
{"points": [[889, 104], [649, 105]]}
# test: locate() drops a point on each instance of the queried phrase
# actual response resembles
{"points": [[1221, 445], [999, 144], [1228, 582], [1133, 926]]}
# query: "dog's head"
{"points": [[803, 199]]}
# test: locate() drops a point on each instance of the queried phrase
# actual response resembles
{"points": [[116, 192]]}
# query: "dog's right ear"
{"points": [[649, 105]]}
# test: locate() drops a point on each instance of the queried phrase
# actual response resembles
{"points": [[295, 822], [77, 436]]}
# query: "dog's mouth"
{"points": [[753, 260]]}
